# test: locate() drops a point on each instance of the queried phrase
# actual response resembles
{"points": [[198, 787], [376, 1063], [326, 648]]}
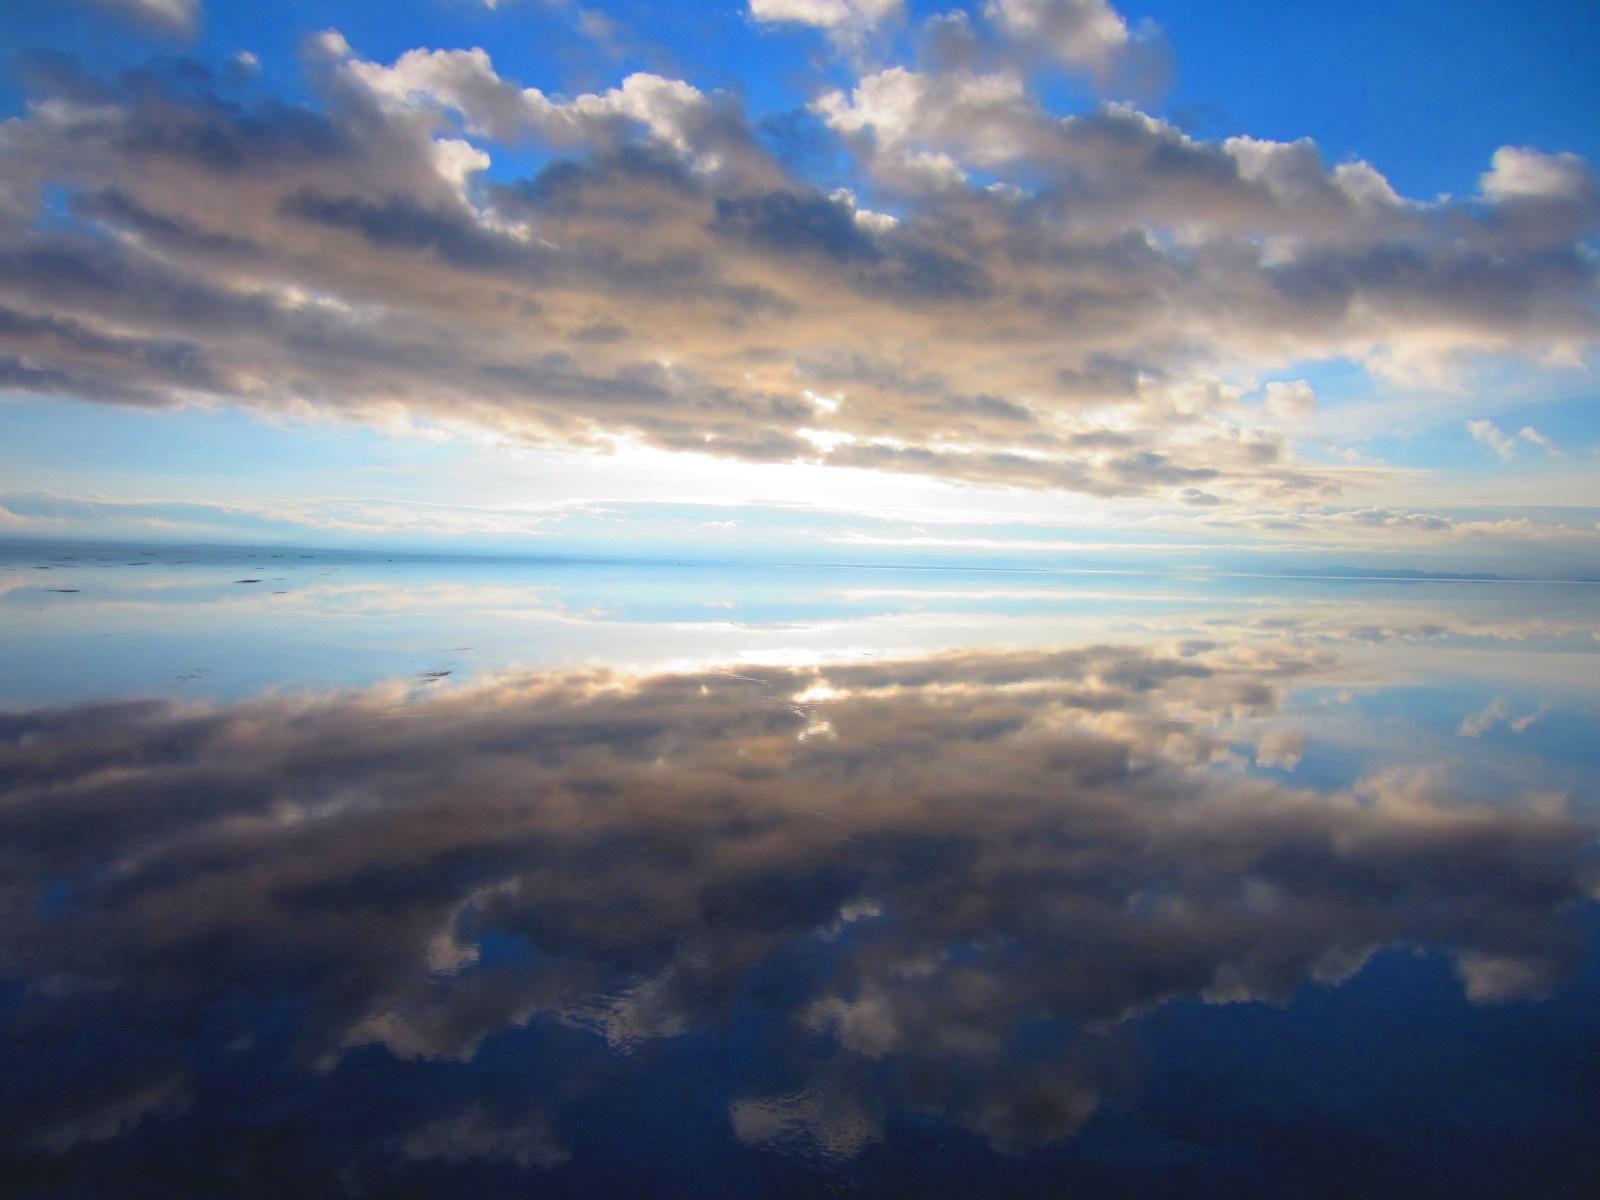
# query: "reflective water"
{"points": [[416, 878]]}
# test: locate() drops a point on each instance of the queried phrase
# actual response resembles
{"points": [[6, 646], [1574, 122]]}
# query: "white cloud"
{"points": [[1521, 173], [1085, 34], [1280, 748], [848, 23], [1497, 713], [327, 44], [1534, 438], [1293, 400], [1479, 723], [1492, 436], [825, 14], [677, 114]]}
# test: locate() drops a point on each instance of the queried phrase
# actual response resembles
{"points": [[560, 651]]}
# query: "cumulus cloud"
{"points": [[825, 14], [986, 841], [1521, 173], [850, 25], [1281, 748], [1086, 34], [1293, 400], [1031, 299]]}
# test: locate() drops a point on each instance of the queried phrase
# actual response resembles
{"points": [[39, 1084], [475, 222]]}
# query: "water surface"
{"points": [[337, 875]]}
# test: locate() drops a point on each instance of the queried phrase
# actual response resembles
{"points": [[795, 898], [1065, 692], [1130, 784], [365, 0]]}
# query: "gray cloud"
{"points": [[476, 1134]]}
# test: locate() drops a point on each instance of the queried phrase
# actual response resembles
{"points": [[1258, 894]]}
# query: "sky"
{"points": [[1233, 285]]}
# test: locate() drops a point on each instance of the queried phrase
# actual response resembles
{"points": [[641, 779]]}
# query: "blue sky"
{"points": [[1223, 282]]}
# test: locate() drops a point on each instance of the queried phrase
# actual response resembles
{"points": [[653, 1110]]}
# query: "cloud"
{"points": [[1493, 437], [825, 14], [985, 841], [1534, 438], [1479, 723], [477, 1135], [1491, 980], [851, 25], [1204, 527], [1281, 748], [1520, 173], [1497, 713], [1086, 34], [125, 1098], [1523, 723], [1032, 299], [181, 17], [1293, 400], [45, 513], [1541, 543], [838, 1126]]}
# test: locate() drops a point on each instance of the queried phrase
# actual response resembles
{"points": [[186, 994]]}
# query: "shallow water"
{"points": [[431, 877]]}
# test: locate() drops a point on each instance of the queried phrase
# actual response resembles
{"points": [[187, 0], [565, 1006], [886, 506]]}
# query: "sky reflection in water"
{"points": [[756, 881]]}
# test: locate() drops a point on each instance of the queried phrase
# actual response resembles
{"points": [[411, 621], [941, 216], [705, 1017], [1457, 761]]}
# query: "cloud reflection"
{"points": [[937, 858]]}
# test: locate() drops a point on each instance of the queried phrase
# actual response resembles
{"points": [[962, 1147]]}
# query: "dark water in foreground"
{"points": [[439, 879]]}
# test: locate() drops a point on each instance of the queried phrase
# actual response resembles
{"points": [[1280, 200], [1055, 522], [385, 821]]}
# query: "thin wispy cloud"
{"points": [[1534, 438], [1497, 713], [180, 17], [1490, 434], [1505, 444]]}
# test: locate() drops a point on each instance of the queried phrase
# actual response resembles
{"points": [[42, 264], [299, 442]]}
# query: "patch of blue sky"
{"points": [[1427, 428], [1562, 435], [1492, 738], [1370, 83], [55, 444], [1335, 380]]}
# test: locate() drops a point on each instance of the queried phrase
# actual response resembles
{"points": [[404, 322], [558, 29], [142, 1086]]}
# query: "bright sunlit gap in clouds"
{"points": [[1026, 277]]}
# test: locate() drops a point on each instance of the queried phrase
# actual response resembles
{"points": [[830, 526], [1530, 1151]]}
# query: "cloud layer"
{"points": [[1070, 301]]}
